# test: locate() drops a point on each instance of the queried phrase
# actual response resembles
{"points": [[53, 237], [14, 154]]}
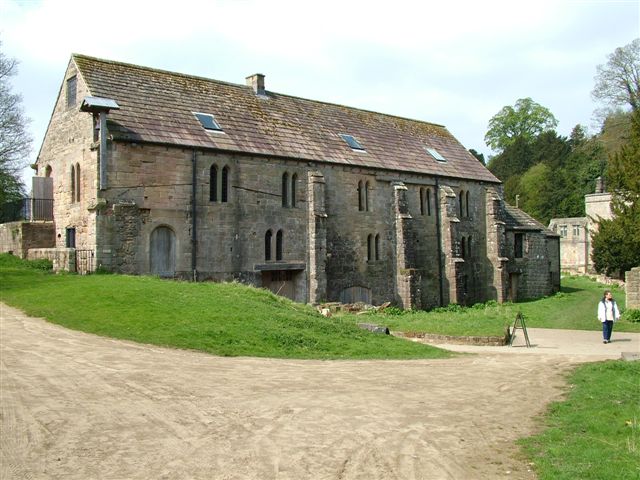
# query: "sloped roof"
{"points": [[516, 219], [157, 106]]}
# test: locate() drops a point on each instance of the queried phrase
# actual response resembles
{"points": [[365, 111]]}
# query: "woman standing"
{"points": [[608, 313]]}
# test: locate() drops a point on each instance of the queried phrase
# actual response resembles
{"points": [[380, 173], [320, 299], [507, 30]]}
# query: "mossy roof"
{"points": [[157, 106], [516, 219]]}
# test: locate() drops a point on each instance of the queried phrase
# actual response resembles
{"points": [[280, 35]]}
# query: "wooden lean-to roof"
{"points": [[157, 106]]}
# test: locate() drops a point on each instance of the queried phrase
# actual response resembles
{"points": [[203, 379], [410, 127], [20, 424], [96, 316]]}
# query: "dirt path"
{"points": [[78, 406]]}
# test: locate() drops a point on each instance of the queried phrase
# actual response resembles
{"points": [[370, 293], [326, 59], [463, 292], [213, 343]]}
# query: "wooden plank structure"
{"points": [[519, 323]]}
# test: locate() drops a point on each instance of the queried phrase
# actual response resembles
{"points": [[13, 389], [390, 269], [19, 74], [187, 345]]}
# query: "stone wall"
{"points": [[326, 224], [69, 144], [598, 206], [63, 259], [575, 243], [18, 237], [536, 273], [381, 241], [632, 287]]}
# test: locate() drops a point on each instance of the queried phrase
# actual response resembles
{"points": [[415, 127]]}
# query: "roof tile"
{"points": [[156, 106]]}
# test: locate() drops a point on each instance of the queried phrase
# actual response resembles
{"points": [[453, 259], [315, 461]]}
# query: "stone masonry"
{"points": [[362, 232], [632, 287]]}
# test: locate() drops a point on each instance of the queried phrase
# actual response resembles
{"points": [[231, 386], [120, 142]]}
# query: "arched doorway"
{"points": [[163, 252]]}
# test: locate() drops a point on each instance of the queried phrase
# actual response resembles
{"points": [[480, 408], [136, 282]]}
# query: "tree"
{"points": [[616, 244], [536, 187], [15, 142], [513, 160], [478, 155], [526, 120], [618, 81]]}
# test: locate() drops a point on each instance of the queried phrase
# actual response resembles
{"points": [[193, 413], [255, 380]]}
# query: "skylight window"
{"points": [[435, 154], [352, 142], [208, 122]]}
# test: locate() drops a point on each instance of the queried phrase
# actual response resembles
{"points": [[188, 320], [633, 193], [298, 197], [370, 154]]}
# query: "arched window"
{"points": [[377, 246], [48, 171], [213, 184], [422, 201], [267, 245], [467, 203], [73, 183], [463, 247], [77, 182], [366, 197], [461, 203], [279, 245], [360, 196], [225, 185], [370, 247], [285, 189], [469, 246], [294, 180], [429, 201]]}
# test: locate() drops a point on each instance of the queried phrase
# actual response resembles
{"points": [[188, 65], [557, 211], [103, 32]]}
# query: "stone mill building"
{"points": [[154, 172]]}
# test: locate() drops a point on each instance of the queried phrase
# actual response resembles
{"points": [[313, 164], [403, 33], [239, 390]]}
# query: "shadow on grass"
{"points": [[571, 289]]}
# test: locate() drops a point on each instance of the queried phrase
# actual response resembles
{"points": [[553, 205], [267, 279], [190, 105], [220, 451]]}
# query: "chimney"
{"points": [[256, 82], [600, 188]]}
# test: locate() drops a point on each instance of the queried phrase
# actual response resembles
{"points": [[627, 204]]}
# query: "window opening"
{"points": [[463, 247], [70, 240], [563, 231], [460, 205], [48, 171], [73, 183], [279, 245], [267, 245], [366, 197], [422, 201], [294, 180], [213, 184], [72, 86], [576, 230], [377, 246], [77, 182], [466, 206], [208, 122], [360, 196], [370, 248], [352, 142], [435, 154], [225, 185], [285, 189], [429, 201], [519, 245]]}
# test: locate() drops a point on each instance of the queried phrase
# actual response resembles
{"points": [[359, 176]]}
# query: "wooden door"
{"points": [[163, 252]]}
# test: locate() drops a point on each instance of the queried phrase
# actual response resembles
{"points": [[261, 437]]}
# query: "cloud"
{"points": [[456, 63]]}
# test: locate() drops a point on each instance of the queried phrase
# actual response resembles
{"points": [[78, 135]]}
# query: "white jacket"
{"points": [[602, 313]]}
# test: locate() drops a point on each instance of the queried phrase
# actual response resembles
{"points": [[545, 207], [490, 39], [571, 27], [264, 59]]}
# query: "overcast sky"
{"points": [[455, 63]]}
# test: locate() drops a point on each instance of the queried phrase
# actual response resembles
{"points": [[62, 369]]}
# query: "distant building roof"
{"points": [[516, 219], [157, 106]]}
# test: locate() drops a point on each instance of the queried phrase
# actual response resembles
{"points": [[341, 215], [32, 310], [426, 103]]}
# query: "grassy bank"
{"points": [[595, 433], [574, 307], [223, 319]]}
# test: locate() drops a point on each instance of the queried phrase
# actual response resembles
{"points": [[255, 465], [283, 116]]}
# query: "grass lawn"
{"points": [[219, 318], [595, 433], [574, 307]]}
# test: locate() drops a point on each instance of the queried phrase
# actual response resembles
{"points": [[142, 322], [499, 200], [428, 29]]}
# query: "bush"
{"points": [[631, 315], [41, 264], [11, 261]]}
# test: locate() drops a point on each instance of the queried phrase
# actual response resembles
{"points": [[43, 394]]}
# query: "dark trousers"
{"points": [[607, 328]]}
